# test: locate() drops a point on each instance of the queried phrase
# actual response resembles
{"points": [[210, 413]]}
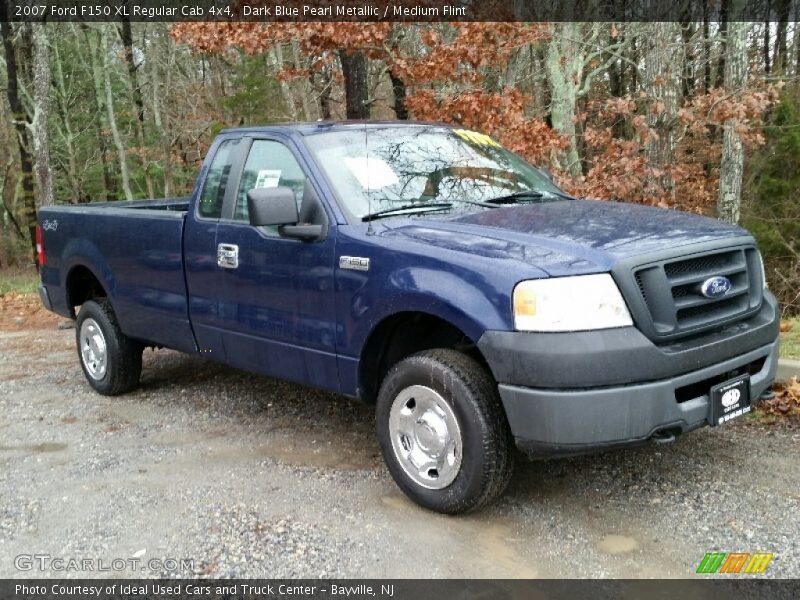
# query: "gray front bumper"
{"points": [[574, 421]]}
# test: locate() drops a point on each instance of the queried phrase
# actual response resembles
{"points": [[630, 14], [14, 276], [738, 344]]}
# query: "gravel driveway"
{"points": [[248, 476]]}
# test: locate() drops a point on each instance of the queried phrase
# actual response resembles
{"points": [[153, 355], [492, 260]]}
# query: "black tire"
{"points": [[123, 355], [487, 445]]}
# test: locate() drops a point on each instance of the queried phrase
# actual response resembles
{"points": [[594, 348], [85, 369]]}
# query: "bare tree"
{"points": [[126, 36], [95, 68], [27, 216], [565, 61], [161, 122], [112, 118], [663, 66], [730, 177], [41, 113], [354, 71], [64, 100], [276, 58]]}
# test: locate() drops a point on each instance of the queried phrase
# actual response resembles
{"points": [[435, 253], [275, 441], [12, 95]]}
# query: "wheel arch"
{"points": [[82, 284], [402, 334]]}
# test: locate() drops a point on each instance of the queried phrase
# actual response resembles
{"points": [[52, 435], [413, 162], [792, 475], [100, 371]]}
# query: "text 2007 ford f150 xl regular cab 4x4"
{"points": [[427, 270]]}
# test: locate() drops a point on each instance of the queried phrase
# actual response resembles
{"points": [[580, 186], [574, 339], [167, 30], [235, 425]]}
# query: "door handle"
{"points": [[228, 256]]}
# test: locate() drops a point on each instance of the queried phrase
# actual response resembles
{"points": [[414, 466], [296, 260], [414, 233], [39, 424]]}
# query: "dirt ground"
{"points": [[19, 312], [248, 476]]}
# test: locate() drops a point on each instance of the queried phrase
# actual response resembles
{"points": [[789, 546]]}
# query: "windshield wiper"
{"points": [[487, 204], [529, 195], [561, 194], [413, 208], [517, 197]]}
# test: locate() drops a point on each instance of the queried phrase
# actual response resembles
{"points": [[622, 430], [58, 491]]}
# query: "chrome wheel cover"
{"points": [[426, 438], [93, 349]]}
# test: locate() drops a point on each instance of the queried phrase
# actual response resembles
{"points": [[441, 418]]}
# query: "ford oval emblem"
{"points": [[716, 287]]}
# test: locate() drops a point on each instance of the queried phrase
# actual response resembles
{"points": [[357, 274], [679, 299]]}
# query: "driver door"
{"points": [[275, 300]]}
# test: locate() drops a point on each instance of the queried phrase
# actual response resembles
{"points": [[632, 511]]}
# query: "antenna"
{"points": [[370, 230]]}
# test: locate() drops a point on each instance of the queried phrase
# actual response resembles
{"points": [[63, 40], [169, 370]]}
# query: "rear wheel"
{"points": [[443, 432], [111, 361]]}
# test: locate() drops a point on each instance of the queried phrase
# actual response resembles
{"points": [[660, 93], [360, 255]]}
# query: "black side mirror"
{"points": [[271, 206], [277, 206]]}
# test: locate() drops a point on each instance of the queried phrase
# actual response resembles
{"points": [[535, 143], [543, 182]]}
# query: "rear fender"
{"points": [[82, 252]]}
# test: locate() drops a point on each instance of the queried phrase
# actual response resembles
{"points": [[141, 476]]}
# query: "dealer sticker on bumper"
{"points": [[729, 400]]}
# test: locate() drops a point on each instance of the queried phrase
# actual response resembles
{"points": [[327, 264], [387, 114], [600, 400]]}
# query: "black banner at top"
{"points": [[374, 11]]}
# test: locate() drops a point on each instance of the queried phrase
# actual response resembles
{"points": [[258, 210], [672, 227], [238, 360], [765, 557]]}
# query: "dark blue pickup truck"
{"points": [[427, 270]]}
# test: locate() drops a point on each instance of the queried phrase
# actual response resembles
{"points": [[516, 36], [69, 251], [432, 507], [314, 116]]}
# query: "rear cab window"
{"points": [[212, 195]]}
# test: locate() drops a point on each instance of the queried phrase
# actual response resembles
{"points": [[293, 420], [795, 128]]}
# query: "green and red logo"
{"points": [[734, 562]]}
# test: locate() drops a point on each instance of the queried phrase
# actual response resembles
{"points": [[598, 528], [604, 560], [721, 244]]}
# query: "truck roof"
{"points": [[312, 127]]}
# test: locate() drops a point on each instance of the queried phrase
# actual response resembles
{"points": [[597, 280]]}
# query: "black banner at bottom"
{"points": [[391, 589]]}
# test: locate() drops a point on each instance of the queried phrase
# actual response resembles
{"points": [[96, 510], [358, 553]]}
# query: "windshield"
{"points": [[403, 170]]}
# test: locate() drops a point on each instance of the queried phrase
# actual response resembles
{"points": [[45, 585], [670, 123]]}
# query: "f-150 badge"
{"points": [[355, 263]]}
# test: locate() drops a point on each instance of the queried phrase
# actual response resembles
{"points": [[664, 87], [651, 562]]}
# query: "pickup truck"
{"points": [[425, 269]]}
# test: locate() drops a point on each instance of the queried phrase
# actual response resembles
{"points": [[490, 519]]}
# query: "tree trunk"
{"points": [[277, 62], [781, 42], [796, 39], [730, 175], [662, 84], [399, 91], [112, 119], [564, 62], [109, 185], [27, 216], [706, 50], [161, 127], [354, 70], [136, 93], [305, 91], [617, 69], [723, 34], [616, 80], [688, 78], [74, 179], [41, 114], [325, 95], [765, 48]]}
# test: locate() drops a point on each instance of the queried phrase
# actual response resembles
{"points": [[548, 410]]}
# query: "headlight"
{"points": [[569, 304], [763, 271]]}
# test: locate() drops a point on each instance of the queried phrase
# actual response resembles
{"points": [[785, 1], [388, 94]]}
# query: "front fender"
{"points": [[471, 306]]}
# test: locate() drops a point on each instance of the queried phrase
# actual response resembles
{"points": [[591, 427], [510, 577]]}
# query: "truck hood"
{"points": [[565, 237]]}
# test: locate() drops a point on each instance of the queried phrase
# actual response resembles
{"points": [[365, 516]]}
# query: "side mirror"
{"points": [[277, 206], [271, 206]]}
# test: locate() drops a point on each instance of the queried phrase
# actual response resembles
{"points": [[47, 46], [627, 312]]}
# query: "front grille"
{"points": [[671, 291]]}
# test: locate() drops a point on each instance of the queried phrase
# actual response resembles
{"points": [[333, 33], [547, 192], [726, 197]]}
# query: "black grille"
{"points": [[702, 264], [671, 291]]}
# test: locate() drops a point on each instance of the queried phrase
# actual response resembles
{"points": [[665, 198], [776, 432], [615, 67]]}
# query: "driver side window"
{"points": [[269, 164]]}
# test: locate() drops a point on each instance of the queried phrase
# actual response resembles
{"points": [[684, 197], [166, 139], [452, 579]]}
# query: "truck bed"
{"points": [[178, 204], [135, 250]]}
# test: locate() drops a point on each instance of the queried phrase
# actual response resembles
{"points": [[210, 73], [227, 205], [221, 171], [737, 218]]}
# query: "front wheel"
{"points": [[443, 432], [111, 361]]}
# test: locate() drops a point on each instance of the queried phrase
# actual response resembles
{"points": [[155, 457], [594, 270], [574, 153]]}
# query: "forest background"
{"points": [[701, 116]]}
